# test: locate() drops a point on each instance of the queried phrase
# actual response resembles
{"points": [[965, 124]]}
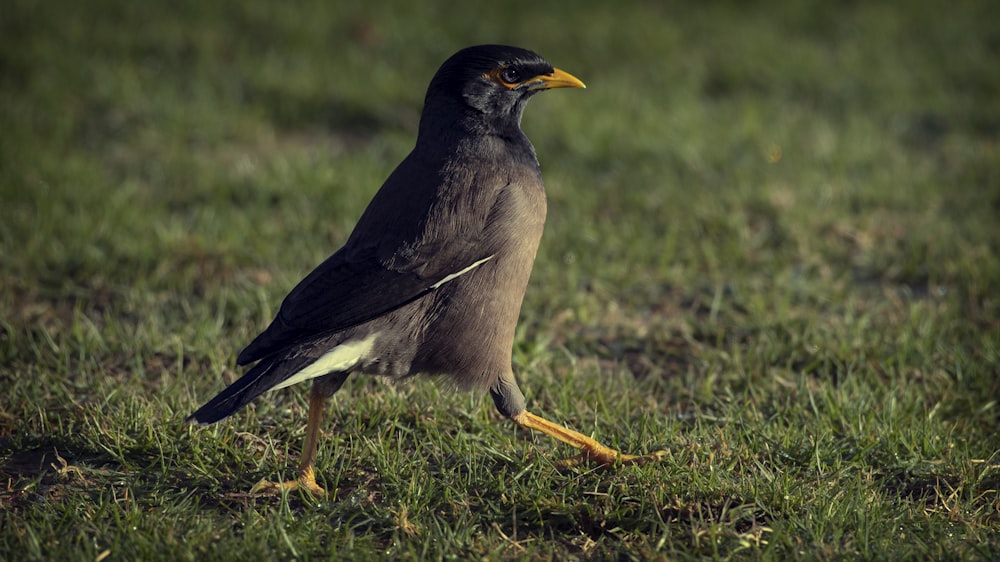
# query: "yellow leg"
{"points": [[591, 450], [307, 475]]}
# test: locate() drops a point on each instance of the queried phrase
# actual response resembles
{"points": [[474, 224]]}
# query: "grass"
{"points": [[772, 249]]}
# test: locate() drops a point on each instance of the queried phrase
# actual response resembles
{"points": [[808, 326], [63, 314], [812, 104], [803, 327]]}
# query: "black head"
{"points": [[483, 89]]}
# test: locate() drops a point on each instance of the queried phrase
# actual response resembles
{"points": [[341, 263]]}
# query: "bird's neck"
{"points": [[451, 132]]}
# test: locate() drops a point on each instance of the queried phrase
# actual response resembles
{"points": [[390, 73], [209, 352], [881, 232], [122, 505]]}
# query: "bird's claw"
{"points": [[306, 481], [608, 457]]}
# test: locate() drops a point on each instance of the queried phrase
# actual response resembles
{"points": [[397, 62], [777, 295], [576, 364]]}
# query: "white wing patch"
{"points": [[348, 354], [463, 272], [340, 358]]}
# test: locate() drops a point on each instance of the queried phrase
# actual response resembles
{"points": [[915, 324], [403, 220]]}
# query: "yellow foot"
{"points": [[605, 456], [306, 481], [592, 452]]}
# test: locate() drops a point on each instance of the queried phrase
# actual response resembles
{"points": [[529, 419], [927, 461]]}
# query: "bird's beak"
{"points": [[555, 79]]}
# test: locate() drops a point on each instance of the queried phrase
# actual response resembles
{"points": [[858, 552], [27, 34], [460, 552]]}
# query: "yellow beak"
{"points": [[556, 79]]}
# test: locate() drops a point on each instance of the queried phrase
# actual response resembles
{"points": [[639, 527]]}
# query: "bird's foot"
{"points": [[606, 456], [592, 452], [306, 481]]}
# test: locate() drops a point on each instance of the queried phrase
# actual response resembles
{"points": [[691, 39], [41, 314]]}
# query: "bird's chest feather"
{"points": [[479, 309], [495, 195]]}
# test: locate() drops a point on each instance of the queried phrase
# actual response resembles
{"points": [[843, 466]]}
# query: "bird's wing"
{"points": [[413, 237], [349, 289]]}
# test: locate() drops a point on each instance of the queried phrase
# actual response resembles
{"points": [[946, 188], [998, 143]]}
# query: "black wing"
{"points": [[342, 293], [428, 222]]}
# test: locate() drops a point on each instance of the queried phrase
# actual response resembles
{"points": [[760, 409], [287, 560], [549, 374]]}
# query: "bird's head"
{"points": [[483, 89]]}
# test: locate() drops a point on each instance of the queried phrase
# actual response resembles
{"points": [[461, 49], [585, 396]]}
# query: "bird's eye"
{"points": [[510, 75]]}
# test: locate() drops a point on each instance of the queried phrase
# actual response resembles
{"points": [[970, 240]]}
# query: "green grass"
{"points": [[772, 249]]}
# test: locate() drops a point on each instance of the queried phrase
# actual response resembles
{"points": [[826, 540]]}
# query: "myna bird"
{"points": [[432, 277]]}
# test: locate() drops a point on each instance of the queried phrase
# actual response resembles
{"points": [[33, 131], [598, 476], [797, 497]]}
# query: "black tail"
{"points": [[262, 377]]}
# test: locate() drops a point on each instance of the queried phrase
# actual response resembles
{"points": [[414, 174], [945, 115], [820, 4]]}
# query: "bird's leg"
{"points": [[307, 474], [591, 450]]}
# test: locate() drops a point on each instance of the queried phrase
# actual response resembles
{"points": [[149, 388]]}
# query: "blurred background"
{"points": [[860, 137]]}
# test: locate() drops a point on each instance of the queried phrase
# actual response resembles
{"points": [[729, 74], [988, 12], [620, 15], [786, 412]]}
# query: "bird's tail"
{"points": [[263, 376]]}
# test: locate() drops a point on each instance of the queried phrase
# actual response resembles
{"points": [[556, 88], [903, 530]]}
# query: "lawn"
{"points": [[772, 249]]}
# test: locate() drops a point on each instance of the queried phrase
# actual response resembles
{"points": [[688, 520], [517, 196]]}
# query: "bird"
{"points": [[432, 277]]}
